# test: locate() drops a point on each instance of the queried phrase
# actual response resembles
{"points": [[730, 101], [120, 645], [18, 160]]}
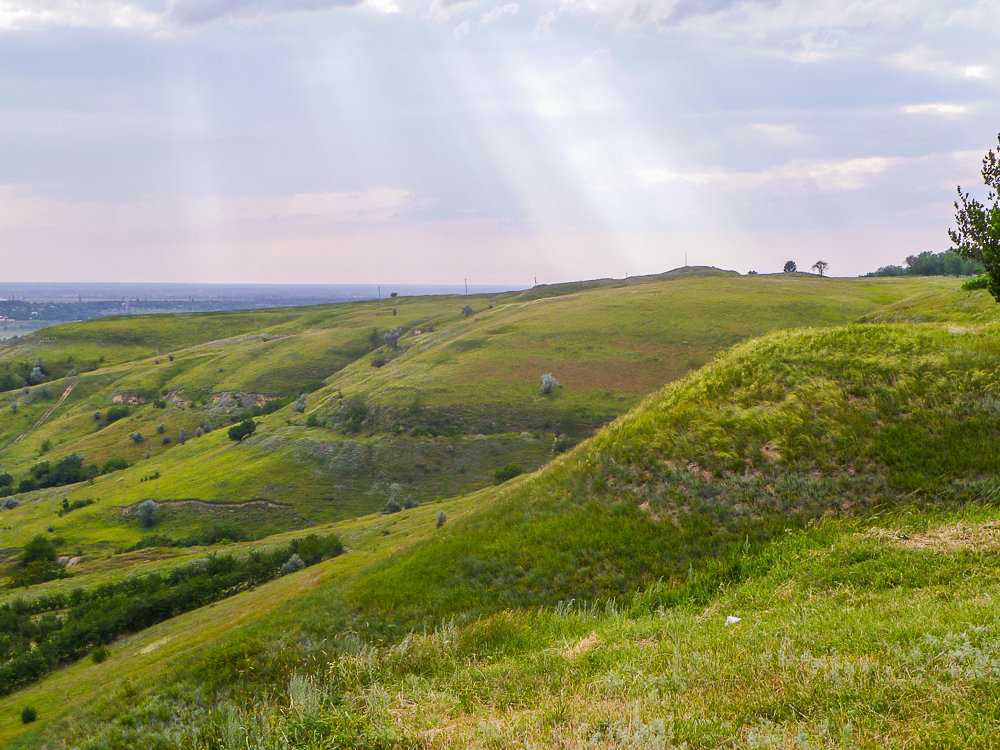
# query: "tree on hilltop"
{"points": [[820, 266], [977, 236], [790, 266]]}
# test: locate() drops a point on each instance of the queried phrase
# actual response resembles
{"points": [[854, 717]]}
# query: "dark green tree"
{"points": [[243, 429], [790, 266], [977, 235]]}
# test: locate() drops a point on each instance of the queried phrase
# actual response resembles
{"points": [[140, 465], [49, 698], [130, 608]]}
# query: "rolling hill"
{"points": [[830, 485]]}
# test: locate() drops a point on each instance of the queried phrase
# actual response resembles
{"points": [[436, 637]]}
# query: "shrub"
{"points": [[292, 564], [146, 511], [313, 421], [28, 715], [355, 412], [980, 282], [6, 479], [114, 413], [114, 464], [181, 436], [506, 473], [548, 383], [300, 405], [166, 440], [467, 310], [392, 505], [441, 519], [136, 437], [159, 404], [161, 428], [392, 337], [46, 446], [242, 430], [100, 654]]}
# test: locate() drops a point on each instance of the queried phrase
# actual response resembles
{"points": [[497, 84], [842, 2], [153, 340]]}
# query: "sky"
{"points": [[430, 141]]}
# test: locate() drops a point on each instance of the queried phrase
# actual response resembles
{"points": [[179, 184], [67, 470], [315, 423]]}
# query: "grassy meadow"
{"points": [[809, 455]]}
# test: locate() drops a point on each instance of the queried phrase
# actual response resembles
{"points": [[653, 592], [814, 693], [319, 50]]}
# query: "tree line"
{"points": [[948, 263], [38, 635]]}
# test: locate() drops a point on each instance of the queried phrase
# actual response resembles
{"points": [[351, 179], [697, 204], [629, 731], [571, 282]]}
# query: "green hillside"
{"points": [[459, 399], [830, 487]]}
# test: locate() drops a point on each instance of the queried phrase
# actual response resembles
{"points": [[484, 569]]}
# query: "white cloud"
{"points": [[442, 11], [543, 27], [487, 18], [843, 175], [939, 108], [23, 14], [922, 60], [498, 12]]}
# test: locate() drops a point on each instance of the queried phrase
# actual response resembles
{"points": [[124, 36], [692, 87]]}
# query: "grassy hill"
{"points": [[457, 401], [832, 487]]}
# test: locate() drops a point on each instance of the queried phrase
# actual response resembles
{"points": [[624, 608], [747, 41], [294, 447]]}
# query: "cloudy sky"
{"points": [[336, 141]]}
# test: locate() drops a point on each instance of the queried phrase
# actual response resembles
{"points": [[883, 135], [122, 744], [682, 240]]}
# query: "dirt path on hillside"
{"points": [[46, 415]]}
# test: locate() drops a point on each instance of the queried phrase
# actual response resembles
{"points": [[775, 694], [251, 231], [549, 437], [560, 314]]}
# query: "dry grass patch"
{"points": [[944, 539]]}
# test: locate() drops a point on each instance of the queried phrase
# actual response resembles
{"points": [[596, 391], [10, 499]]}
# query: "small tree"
{"points": [[242, 430], [977, 236], [790, 266], [820, 266], [300, 405], [146, 511], [181, 436], [392, 338], [548, 383], [467, 310], [441, 519]]}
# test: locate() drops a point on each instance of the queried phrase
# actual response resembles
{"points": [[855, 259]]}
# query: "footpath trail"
{"points": [[46, 415]]}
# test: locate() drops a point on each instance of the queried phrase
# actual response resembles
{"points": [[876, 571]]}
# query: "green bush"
{"points": [[114, 464], [507, 472], [28, 715], [100, 654], [114, 413], [146, 510], [242, 430], [980, 282]]}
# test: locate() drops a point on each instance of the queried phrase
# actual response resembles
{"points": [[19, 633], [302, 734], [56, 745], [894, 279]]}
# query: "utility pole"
{"points": [[380, 291], [466, 286]]}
